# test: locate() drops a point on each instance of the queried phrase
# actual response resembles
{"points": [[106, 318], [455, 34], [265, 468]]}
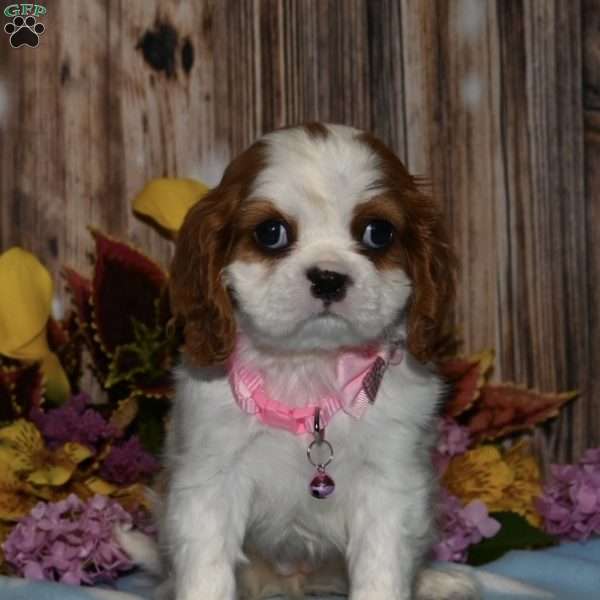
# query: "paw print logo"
{"points": [[24, 32]]}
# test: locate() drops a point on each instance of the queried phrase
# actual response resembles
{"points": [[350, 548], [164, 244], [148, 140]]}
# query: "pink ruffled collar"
{"points": [[359, 375]]}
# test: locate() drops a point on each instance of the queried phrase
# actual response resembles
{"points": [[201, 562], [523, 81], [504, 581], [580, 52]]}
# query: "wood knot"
{"points": [[158, 47]]}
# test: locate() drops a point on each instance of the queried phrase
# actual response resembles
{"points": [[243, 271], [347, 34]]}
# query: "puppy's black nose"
{"points": [[328, 286]]}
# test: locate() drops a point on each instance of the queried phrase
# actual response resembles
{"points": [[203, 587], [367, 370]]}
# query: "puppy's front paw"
{"points": [[215, 582], [446, 584]]}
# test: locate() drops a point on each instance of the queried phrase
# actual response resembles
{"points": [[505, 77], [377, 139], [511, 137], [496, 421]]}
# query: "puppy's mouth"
{"points": [[328, 310], [329, 315]]}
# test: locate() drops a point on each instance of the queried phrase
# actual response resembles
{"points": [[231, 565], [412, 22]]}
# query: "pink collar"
{"points": [[359, 375]]}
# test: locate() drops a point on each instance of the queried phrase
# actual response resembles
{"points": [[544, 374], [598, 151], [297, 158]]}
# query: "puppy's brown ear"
{"points": [[432, 268], [428, 257], [199, 299]]}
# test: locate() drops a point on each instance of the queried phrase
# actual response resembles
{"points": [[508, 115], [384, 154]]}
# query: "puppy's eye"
{"points": [[272, 235], [378, 234]]}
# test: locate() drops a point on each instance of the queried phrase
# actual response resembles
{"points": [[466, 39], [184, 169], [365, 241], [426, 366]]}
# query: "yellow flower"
{"points": [[16, 497], [478, 474], [504, 482], [520, 496], [29, 473], [25, 304], [167, 201], [131, 497], [28, 468]]}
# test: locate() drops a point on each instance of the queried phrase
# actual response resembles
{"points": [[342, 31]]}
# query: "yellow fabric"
{"points": [[166, 201], [25, 303]]}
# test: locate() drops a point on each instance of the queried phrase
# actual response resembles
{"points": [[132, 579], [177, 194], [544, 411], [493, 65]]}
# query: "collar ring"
{"points": [[319, 443]]}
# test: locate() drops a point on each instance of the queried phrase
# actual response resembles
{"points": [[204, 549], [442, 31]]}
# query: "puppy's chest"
{"points": [[286, 522]]}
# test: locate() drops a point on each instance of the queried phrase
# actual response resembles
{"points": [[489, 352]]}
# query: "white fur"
{"points": [[236, 482]]}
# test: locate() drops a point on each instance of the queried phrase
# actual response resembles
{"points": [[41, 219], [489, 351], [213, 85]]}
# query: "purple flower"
{"points": [[570, 503], [70, 541], [460, 527], [75, 421], [128, 462], [591, 457], [453, 439]]}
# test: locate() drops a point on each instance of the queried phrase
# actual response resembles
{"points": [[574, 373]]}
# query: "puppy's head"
{"points": [[316, 238]]}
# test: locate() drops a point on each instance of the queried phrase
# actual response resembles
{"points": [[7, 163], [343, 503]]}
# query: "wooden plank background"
{"points": [[497, 101]]}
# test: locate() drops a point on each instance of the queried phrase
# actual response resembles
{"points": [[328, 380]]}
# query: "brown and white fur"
{"points": [[237, 519]]}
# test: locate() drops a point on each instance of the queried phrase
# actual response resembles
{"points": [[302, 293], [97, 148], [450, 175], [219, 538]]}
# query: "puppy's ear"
{"points": [[428, 258], [199, 299], [432, 268]]}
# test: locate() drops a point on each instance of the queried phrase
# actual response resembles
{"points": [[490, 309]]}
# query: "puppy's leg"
{"points": [[204, 531], [390, 532]]}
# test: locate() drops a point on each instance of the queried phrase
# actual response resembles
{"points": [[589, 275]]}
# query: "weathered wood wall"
{"points": [[495, 100]]}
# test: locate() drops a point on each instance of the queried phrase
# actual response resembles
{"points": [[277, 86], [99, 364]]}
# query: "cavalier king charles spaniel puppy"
{"points": [[313, 285]]}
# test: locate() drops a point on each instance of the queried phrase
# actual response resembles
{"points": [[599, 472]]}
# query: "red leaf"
{"points": [[66, 339], [507, 408], [7, 408], [21, 389], [127, 285], [467, 375], [164, 309], [57, 335], [80, 290]]}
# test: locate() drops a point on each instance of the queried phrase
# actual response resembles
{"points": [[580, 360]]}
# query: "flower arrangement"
{"points": [[73, 467], [461, 526], [483, 478], [570, 504], [70, 541]]}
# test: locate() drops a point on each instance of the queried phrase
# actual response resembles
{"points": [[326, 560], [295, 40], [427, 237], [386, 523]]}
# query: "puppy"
{"points": [[313, 284]]}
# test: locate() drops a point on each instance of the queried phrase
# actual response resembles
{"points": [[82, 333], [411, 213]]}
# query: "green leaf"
{"points": [[127, 362], [515, 534], [144, 363], [150, 423]]}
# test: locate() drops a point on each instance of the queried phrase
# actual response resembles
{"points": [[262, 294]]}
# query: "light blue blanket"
{"points": [[567, 572]]}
